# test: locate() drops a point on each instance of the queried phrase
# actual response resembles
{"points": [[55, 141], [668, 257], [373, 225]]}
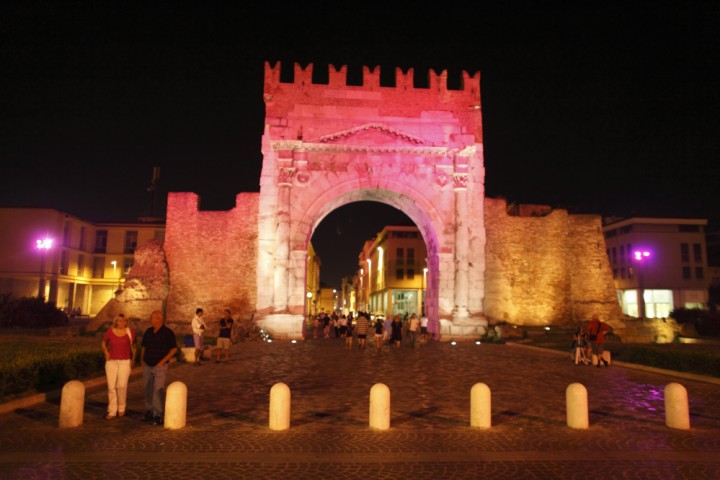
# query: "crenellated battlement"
{"points": [[404, 80]]}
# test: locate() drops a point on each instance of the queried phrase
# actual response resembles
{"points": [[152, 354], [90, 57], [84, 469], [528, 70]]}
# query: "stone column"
{"points": [[282, 248], [462, 248]]}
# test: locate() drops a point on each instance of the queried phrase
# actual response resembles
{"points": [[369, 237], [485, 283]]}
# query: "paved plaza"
{"points": [[227, 434]]}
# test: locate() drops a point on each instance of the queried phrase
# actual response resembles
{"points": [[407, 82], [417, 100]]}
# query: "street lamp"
{"points": [[641, 257], [369, 284], [309, 297], [424, 282], [114, 264], [43, 245]]}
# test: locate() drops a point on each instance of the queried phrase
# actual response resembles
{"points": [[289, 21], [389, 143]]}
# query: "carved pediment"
{"points": [[370, 134]]}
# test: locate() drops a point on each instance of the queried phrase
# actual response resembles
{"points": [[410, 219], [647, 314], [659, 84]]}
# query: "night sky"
{"points": [[606, 107]]}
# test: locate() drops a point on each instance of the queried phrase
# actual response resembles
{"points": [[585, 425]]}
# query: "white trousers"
{"points": [[118, 373]]}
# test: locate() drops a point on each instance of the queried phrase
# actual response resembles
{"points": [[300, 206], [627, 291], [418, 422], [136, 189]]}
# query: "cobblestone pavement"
{"points": [[227, 434]]}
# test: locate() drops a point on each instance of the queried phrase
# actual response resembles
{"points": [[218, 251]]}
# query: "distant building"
{"points": [[312, 285], [327, 300], [663, 257], [82, 263], [392, 274]]}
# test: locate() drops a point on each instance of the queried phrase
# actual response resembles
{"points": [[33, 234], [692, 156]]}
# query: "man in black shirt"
{"points": [[158, 347]]}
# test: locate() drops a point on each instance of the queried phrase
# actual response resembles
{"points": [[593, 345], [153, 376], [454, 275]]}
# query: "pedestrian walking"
{"points": [[414, 330], [349, 335], [396, 335], [423, 329], [362, 328], [158, 347], [379, 329], [118, 343]]}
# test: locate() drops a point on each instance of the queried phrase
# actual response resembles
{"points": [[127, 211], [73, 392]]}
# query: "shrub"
{"points": [[705, 322], [670, 357], [29, 312], [26, 368]]}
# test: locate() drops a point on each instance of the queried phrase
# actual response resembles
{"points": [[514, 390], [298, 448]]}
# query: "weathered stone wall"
{"points": [[212, 258], [543, 270], [146, 288]]}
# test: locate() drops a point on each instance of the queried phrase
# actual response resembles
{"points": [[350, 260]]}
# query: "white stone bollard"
{"points": [[577, 406], [480, 406], [175, 406], [677, 412], [72, 404], [380, 407], [279, 407]]}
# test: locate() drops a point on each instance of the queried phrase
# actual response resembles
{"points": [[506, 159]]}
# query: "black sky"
{"points": [[600, 107]]}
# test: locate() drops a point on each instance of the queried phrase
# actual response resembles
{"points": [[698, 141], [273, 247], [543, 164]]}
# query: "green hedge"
{"points": [[702, 361], [45, 371]]}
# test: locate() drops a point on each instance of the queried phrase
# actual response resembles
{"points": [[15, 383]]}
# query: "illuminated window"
{"points": [[131, 239], [99, 267], [66, 235], [81, 266], [697, 252], [686, 273], [101, 237], [684, 252], [64, 263]]}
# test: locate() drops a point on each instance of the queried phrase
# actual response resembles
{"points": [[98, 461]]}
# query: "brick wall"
{"points": [[212, 258], [546, 269]]}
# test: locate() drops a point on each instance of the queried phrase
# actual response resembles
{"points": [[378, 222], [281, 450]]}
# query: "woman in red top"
{"points": [[118, 343], [596, 331]]}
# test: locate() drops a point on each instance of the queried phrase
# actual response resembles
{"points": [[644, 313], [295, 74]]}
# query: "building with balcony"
{"points": [[392, 275], [661, 260], [75, 263]]}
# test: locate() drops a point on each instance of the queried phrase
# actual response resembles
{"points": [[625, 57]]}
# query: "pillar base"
{"points": [[281, 325]]}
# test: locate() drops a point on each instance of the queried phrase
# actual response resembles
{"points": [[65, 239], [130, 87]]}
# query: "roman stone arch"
{"points": [[417, 149]]}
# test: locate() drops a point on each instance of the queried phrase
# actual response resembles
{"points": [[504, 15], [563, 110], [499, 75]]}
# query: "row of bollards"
{"points": [[677, 413]]}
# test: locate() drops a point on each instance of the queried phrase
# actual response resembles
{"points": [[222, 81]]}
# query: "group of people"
{"points": [[589, 342], [157, 347], [361, 326]]}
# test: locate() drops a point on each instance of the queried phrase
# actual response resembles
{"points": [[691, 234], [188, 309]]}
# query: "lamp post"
{"points": [[43, 245], [114, 264], [309, 297], [369, 284], [641, 257], [424, 282]]}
